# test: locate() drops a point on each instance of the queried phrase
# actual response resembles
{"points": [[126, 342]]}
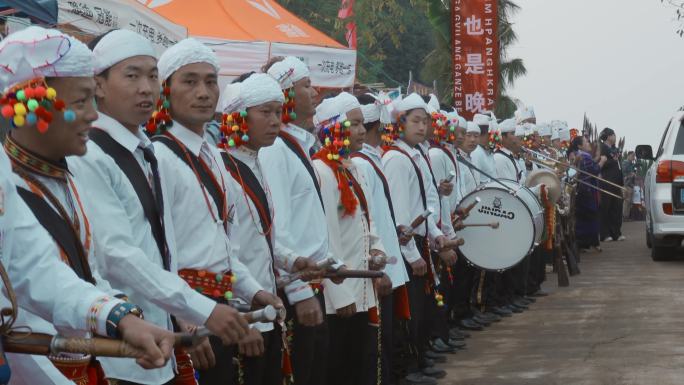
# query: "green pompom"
{"points": [[166, 104], [32, 104], [21, 96]]}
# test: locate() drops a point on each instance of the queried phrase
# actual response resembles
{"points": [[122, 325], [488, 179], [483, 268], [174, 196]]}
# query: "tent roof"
{"points": [[244, 20]]}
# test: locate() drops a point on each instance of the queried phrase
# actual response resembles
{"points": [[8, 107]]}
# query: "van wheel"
{"points": [[659, 253], [649, 242]]}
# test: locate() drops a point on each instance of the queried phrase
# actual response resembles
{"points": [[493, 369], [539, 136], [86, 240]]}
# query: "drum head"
{"points": [[504, 247]]}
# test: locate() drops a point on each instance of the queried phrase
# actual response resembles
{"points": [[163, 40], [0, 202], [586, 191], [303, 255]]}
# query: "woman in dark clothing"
{"points": [[611, 207], [587, 202]]}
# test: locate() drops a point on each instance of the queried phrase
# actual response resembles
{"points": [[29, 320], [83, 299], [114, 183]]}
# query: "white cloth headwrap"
{"points": [[186, 51], [493, 126], [289, 71], [520, 130], [462, 122], [472, 128], [555, 133], [119, 45], [371, 113], [336, 107], [411, 102], [530, 128], [507, 125], [38, 52], [481, 120], [433, 104], [564, 134], [385, 106], [544, 129], [524, 114], [253, 91]]}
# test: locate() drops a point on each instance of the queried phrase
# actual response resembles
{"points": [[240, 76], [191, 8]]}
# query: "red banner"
{"points": [[475, 46], [346, 11]]}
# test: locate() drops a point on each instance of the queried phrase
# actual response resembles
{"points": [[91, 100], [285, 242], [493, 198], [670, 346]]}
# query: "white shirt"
{"points": [[506, 164], [127, 251], [433, 199], [30, 254], [441, 167], [65, 194], [300, 224], [355, 237], [249, 238], [484, 160], [405, 192], [380, 211], [202, 241], [467, 178]]}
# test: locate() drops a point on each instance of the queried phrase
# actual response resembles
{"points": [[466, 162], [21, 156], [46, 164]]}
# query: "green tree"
{"points": [[386, 31], [439, 62]]}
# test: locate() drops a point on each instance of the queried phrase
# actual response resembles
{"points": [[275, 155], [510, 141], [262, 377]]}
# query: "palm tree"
{"points": [[439, 63]]}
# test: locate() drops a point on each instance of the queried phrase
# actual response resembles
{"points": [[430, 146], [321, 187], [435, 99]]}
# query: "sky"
{"points": [[620, 61]]}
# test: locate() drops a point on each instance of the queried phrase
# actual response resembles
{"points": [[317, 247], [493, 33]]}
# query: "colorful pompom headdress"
{"points": [[237, 98], [28, 57], [382, 110], [287, 72]]}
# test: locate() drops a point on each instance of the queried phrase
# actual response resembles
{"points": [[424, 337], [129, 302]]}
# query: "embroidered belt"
{"points": [[82, 371], [214, 285]]}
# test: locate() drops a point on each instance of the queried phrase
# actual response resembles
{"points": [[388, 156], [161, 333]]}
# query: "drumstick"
{"points": [[344, 273], [420, 219], [451, 176], [467, 210], [453, 243], [494, 225], [288, 279]]}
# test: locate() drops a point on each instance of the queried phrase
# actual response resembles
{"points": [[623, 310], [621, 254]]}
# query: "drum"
{"points": [[521, 224]]}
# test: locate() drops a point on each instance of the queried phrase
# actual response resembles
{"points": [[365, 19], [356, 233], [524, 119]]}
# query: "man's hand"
{"points": [[339, 280], [263, 298], [202, 355], [449, 257], [307, 269], [419, 267], [309, 312], [383, 286], [154, 343], [227, 324], [445, 188], [376, 266], [458, 225], [252, 345], [405, 234], [347, 311], [440, 242]]}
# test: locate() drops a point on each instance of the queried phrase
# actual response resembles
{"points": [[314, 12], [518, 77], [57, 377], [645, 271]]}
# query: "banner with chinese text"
{"points": [[475, 48]]}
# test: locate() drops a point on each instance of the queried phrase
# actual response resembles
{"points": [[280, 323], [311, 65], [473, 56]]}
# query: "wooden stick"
{"points": [[494, 225], [354, 274]]}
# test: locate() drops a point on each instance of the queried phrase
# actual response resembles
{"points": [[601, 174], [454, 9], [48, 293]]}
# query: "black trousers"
{"points": [[266, 370], [310, 350], [463, 288], [353, 357], [611, 217], [439, 320], [223, 373], [514, 280], [537, 273], [386, 338]]}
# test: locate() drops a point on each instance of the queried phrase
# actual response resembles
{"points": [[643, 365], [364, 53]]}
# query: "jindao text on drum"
{"points": [[495, 210]]}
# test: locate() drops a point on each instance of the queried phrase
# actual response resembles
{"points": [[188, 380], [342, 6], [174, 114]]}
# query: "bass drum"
{"points": [[521, 222]]}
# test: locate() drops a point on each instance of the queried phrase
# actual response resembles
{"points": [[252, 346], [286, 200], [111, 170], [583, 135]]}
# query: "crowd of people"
{"points": [[122, 217]]}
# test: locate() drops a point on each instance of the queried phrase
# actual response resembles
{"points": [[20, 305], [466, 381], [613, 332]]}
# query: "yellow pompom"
{"points": [[233, 279], [51, 94], [19, 120], [20, 109], [229, 118], [336, 157], [346, 142], [330, 156], [236, 128]]}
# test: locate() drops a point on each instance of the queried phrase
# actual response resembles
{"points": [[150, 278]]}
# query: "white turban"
{"points": [[493, 126], [507, 125], [555, 133], [524, 114], [385, 107], [472, 128], [289, 71], [411, 102], [119, 45], [520, 130], [336, 107], [186, 51], [253, 91], [462, 122], [481, 120], [371, 113], [38, 52], [544, 129], [564, 134], [433, 104]]}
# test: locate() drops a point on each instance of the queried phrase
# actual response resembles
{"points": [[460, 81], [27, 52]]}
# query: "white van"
{"points": [[664, 191]]}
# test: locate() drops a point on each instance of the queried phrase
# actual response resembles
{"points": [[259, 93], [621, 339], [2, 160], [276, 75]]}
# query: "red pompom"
{"points": [[29, 92], [7, 111], [167, 91], [39, 92], [59, 104], [42, 126]]}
